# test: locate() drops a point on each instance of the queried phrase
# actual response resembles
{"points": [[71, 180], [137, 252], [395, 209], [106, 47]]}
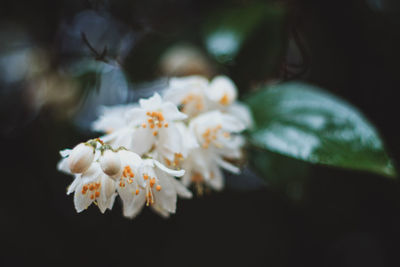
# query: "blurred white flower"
{"points": [[222, 91], [189, 92], [216, 133]]}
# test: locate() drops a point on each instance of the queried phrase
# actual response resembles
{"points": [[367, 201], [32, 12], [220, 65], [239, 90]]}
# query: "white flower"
{"points": [[93, 186], [80, 158], [189, 92], [112, 118], [128, 180], [174, 160], [216, 134], [222, 91], [160, 189], [151, 124], [241, 112], [110, 162]]}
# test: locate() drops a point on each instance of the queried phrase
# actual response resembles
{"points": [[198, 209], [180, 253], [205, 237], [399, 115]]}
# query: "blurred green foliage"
{"points": [[304, 122]]}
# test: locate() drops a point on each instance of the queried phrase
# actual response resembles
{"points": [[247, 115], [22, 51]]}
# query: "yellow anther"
{"points": [[152, 182], [155, 133], [158, 187], [137, 192], [97, 194], [92, 196], [224, 99], [144, 125], [145, 176], [166, 125]]}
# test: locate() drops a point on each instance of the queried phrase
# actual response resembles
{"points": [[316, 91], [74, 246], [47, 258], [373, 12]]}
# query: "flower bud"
{"points": [[110, 163], [80, 158]]}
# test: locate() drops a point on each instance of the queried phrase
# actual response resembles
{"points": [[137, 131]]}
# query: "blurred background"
{"points": [[61, 60]]}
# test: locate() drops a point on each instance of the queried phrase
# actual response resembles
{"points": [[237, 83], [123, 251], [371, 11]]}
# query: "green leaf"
{"points": [[307, 123]]}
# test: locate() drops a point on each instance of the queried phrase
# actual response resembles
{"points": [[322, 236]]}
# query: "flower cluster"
{"points": [[154, 150]]}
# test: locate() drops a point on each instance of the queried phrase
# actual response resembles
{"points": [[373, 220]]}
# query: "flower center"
{"points": [[155, 119], [150, 183], [192, 100], [224, 100], [178, 157], [126, 177], [210, 136], [93, 188]]}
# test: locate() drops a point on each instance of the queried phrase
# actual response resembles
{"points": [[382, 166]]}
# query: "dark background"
{"points": [[344, 218]]}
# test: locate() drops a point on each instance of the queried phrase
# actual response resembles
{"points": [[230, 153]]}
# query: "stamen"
{"points": [[224, 99], [144, 125], [137, 191], [152, 181], [158, 187]]}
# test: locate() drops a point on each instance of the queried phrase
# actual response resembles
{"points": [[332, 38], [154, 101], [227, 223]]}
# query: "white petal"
{"points": [[169, 171], [151, 103], [242, 113], [75, 183], [227, 166], [63, 166], [135, 116], [81, 201], [216, 181], [133, 208], [172, 113], [142, 141], [166, 197], [157, 209], [65, 153], [180, 188]]}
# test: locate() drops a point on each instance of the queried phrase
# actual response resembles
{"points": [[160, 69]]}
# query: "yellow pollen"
{"points": [[152, 126], [97, 194], [166, 125], [145, 176], [224, 99], [155, 133], [152, 182], [158, 187], [137, 192], [92, 196], [91, 187], [144, 125]]}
